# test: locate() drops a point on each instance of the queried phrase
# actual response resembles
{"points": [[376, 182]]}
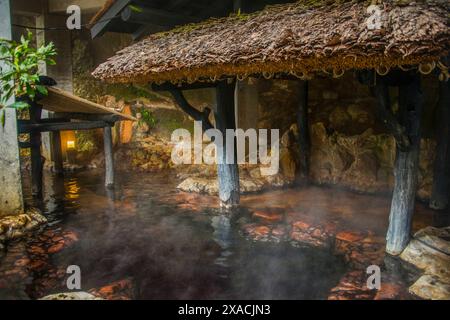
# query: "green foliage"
{"points": [[147, 117], [19, 74], [135, 8], [85, 141]]}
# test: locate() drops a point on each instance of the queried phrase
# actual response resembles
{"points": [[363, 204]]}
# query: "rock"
{"points": [[81, 295], [255, 173], [278, 181], [13, 227], [250, 185], [118, 290], [428, 252], [353, 285], [287, 163], [435, 237], [349, 236], [431, 288], [257, 232], [390, 291], [199, 185], [56, 248], [305, 234], [339, 119], [267, 215]]}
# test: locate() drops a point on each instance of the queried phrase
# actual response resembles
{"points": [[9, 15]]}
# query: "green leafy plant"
{"points": [[147, 117], [19, 71]]}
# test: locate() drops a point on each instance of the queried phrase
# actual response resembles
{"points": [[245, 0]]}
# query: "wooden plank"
{"points": [[88, 117], [62, 101], [227, 173], [406, 169], [303, 129], [37, 163], [57, 152], [64, 126], [109, 157]]}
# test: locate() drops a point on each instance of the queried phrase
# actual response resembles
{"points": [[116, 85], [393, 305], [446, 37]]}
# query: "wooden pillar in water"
{"points": [[441, 177], [37, 163], [406, 168], [57, 152], [227, 171], [303, 130], [109, 157]]}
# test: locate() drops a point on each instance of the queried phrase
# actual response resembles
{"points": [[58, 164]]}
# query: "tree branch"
{"points": [[191, 111]]}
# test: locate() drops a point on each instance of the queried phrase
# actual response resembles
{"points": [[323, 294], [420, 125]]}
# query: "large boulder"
{"points": [[431, 288], [80, 295], [429, 251]]}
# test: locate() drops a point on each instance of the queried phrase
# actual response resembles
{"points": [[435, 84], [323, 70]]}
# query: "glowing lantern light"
{"points": [[70, 144]]}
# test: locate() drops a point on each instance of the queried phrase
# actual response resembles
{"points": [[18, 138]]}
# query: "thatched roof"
{"points": [[291, 38]]}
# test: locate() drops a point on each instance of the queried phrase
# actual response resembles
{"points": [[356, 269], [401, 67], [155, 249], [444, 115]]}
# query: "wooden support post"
{"points": [[441, 177], [303, 130], [57, 152], [109, 156], [406, 168], [37, 163], [228, 173]]}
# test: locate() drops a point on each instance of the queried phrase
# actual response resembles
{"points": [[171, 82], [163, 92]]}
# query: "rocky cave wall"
{"points": [[350, 146]]}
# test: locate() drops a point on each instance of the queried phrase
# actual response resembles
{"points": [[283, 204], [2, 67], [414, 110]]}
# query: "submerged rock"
{"points": [[353, 285], [81, 295], [118, 290], [316, 236]]}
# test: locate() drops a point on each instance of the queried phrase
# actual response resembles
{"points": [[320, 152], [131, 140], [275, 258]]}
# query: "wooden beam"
{"points": [[61, 101], [184, 105], [109, 157], [57, 152], [384, 113], [88, 117], [406, 168], [37, 163], [228, 173], [108, 18], [303, 130], [441, 178], [159, 17], [49, 127]]}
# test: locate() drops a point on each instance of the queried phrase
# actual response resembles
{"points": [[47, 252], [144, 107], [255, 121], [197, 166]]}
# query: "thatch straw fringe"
{"points": [[291, 38]]}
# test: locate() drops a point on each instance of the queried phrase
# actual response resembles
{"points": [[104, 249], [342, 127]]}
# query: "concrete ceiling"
{"points": [[38, 7], [87, 6]]}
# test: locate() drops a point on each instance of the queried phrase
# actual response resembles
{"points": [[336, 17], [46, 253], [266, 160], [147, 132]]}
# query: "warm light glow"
{"points": [[70, 144]]}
